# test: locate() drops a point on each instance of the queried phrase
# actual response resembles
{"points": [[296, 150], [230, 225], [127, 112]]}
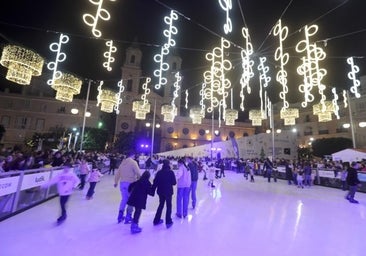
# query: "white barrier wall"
{"points": [[249, 147]]}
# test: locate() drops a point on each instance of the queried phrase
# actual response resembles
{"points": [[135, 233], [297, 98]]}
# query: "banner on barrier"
{"points": [[8, 185]]}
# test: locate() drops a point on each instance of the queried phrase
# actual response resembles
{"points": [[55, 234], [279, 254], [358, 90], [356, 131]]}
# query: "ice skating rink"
{"points": [[235, 218]]}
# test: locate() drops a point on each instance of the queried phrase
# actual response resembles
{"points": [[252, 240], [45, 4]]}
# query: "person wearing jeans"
{"points": [[353, 182], [193, 169], [127, 172], [183, 184]]}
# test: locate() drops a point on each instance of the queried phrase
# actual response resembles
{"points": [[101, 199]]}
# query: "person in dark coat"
{"points": [[352, 182], [289, 175], [138, 196], [164, 182]]}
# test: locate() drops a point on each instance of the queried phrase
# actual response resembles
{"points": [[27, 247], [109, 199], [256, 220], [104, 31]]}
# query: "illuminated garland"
{"points": [[263, 79], [335, 103], [159, 58], [226, 5], [186, 100], [216, 92], [60, 57], [310, 70], [345, 99], [119, 98], [142, 107], [247, 65], [352, 76], [101, 13], [283, 58], [108, 55]]}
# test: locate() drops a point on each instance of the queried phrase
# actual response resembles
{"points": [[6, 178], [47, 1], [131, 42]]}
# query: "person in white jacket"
{"points": [[94, 177], [183, 177], [66, 182]]}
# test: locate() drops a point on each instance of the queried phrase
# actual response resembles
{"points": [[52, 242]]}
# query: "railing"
{"points": [[19, 190]]}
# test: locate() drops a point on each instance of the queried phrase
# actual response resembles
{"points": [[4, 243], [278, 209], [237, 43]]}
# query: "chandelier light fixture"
{"points": [[196, 114], [22, 64], [142, 107], [324, 111], [256, 115], [169, 112], [230, 116], [289, 115], [66, 87], [106, 99]]}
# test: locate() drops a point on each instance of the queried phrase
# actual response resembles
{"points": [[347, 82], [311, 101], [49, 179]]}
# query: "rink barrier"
{"points": [[20, 190]]}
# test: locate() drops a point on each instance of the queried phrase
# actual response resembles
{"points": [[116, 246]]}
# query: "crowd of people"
{"points": [[132, 175]]}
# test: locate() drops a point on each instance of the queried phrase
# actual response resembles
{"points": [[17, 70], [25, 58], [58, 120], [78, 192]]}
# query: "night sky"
{"points": [[342, 33]]}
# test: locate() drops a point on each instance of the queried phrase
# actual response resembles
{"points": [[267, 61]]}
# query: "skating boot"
{"points": [[135, 228]]}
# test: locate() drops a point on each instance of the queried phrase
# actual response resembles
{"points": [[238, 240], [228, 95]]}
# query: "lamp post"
{"points": [[153, 131], [351, 121], [84, 117]]}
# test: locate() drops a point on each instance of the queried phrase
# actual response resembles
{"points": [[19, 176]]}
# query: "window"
{"points": [[201, 132], [307, 118], [185, 131], [21, 122], [5, 121], [39, 124], [129, 85], [132, 59], [174, 66]]}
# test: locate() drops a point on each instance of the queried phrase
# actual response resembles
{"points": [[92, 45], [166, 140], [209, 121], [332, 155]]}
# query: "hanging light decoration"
{"points": [[101, 13], [159, 58], [22, 64], [142, 107], [226, 5], [247, 65], [196, 114], [106, 99], [60, 57], [108, 55], [310, 69], [256, 115], [289, 115], [66, 87], [324, 111], [352, 76], [169, 112], [230, 116], [119, 100]]}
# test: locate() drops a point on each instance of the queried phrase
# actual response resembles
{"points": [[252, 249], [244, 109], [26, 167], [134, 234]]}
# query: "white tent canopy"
{"points": [[349, 155]]}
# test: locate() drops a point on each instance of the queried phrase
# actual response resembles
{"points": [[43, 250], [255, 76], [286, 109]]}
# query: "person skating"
{"points": [[163, 184], [66, 181], [353, 182], [127, 172], [138, 196]]}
